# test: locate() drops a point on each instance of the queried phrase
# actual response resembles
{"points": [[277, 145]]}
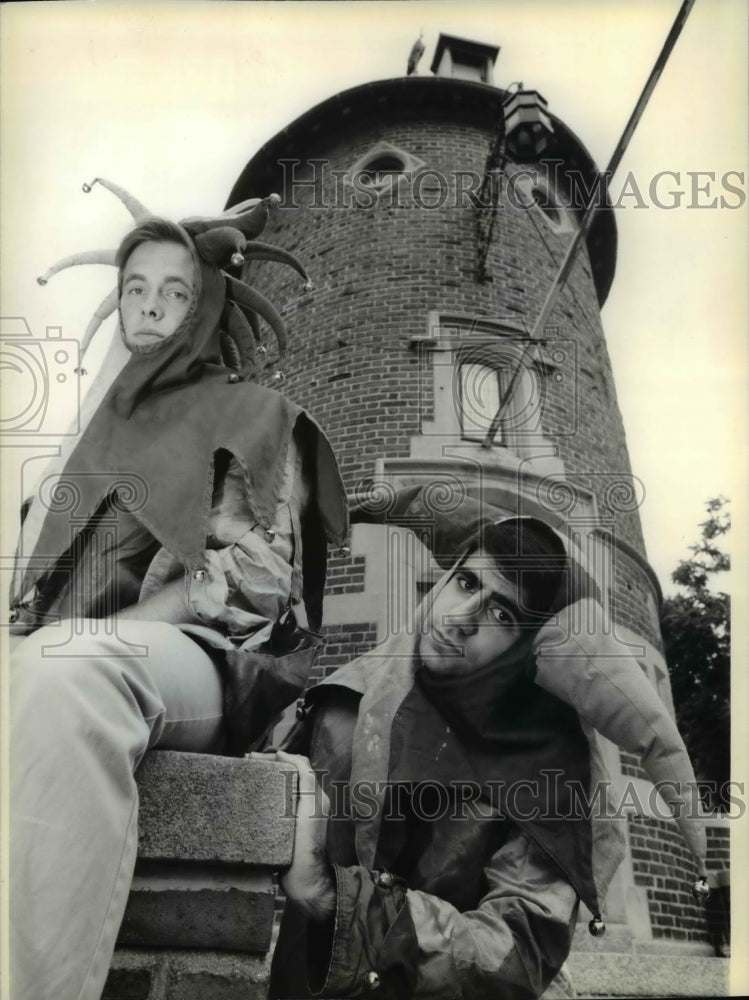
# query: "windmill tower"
{"points": [[432, 214]]}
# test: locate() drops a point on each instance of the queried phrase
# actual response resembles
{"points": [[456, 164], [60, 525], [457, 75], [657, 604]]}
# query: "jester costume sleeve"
{"points": [[188, 467]]}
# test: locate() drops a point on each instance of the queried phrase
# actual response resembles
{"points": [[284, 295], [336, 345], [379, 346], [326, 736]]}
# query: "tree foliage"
{"points": [[696, 632]]}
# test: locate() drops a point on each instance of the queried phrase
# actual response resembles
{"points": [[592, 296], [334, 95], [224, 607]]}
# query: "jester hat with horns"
{"points": [[225, 240], [172, 408]]}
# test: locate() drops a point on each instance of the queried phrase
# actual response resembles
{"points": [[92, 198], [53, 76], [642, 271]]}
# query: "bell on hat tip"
{"points": [[597, 927], [344, 551], [274, 199], [233, 377], [86, 188], [308, 286], [278, 376], [700, 889], [237, 258], [41, 280], [262, 350]]}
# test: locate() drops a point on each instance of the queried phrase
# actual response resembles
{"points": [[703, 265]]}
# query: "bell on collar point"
{"points": [[237, 259], [596, 926], [700, 889], [232, 378]]}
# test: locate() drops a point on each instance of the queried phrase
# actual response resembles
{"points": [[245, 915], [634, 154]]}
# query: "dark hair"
{"points": [[153, 230], [529, 552]]}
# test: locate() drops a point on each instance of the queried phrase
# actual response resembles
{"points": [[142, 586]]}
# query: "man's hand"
{"points": [[309, 881]]}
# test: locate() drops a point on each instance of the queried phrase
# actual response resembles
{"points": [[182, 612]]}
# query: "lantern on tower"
{"points": [[528, 127]]}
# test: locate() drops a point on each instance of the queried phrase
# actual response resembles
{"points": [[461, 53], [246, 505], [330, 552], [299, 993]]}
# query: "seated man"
{"points": [[455, 854], [201, 502]]}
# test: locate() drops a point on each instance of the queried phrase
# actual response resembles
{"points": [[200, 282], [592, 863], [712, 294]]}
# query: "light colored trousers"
{"points": [[83, 715]]}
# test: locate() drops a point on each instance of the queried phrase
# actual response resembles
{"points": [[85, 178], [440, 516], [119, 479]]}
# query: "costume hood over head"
{"points": [[152, 443], [523, 747], [575, 659]]}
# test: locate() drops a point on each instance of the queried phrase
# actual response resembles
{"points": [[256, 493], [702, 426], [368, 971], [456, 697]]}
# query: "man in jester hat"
{"points": [[449, 821], [165, 577]]}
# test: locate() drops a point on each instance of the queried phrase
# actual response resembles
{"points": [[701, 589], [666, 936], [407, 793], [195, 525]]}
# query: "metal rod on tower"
{"points": [[597, 198]]}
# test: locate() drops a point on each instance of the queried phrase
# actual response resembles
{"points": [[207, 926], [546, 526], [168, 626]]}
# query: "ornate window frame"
{"points": [[454, 340]]}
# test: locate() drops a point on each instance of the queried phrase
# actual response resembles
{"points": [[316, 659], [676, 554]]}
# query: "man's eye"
{"points": [[466, 584], [177, 294], [134, 290], [501, 615]]}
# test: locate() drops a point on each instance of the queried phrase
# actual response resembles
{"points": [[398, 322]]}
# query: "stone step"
{"points": [[609, 974]]}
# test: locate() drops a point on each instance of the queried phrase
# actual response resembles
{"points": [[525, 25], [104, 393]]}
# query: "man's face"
{"points": [[157, 292], [474, 619]]}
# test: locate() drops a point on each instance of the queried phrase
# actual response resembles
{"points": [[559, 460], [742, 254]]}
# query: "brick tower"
{"points": [[432, 241]]}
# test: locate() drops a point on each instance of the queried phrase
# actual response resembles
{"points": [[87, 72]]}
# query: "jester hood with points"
{"points": [[151, 444]]}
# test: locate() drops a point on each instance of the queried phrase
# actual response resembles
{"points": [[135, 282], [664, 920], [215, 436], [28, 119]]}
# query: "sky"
{"points": [[170, 99]]}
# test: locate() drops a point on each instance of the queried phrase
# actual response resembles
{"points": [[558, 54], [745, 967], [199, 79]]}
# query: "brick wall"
{"points": [[633, 601], [343, 643], [665, 868], [345, 575]]}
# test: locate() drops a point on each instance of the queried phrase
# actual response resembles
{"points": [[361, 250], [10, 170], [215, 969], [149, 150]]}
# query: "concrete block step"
{"points": [[229, 810]]}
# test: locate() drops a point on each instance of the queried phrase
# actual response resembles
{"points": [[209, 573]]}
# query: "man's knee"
{"points": [[66, 660]]}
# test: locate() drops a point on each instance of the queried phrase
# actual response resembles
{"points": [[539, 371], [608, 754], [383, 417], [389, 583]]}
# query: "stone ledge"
{"points": [[204, 808], [186, 975], [640, 975]]}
